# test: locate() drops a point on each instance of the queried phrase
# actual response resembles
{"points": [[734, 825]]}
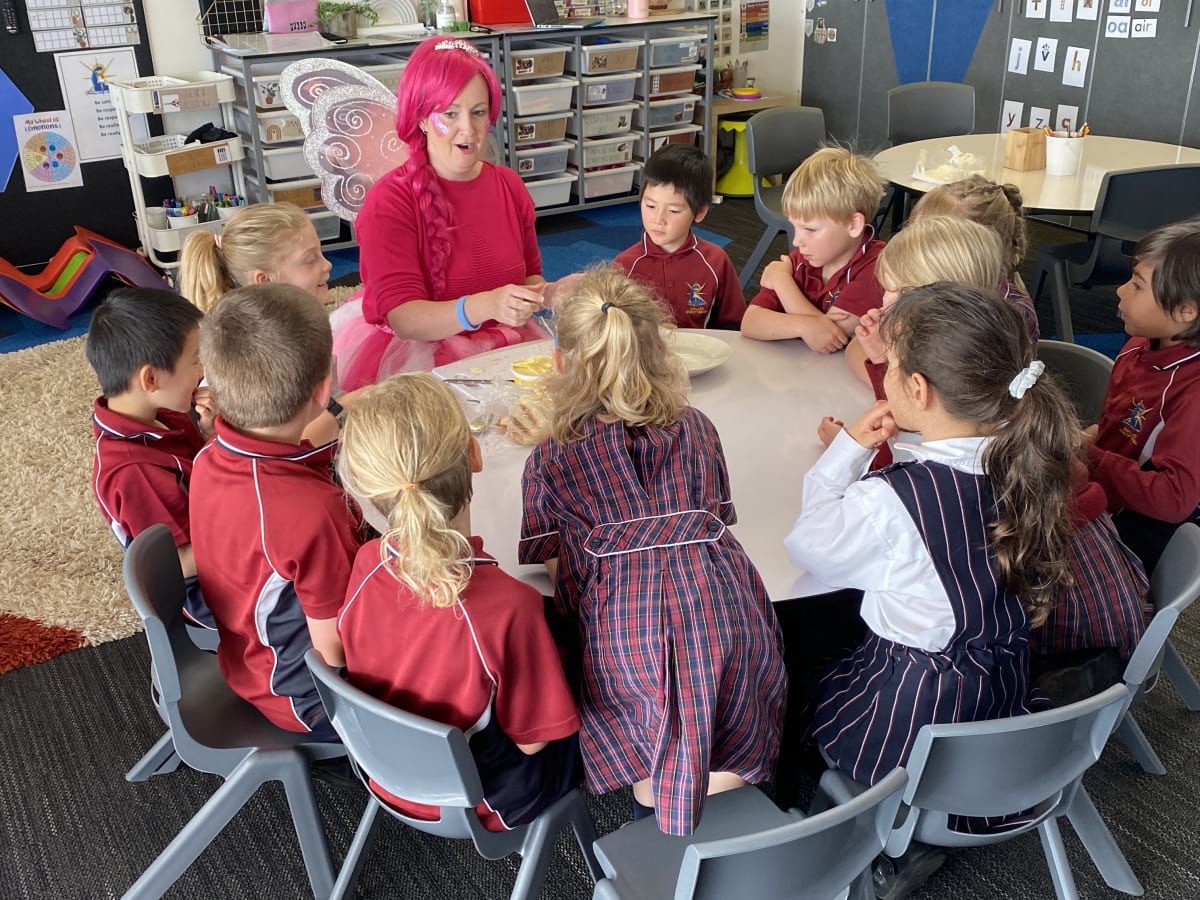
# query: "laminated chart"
{"points": [[80, 24]]}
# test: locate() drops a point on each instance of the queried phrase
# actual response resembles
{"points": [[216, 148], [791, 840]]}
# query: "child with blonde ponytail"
{"points": [[431, 624], [628, 503]]}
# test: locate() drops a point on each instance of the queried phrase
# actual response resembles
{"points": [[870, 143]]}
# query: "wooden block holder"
{"points": [[1025, 149]]}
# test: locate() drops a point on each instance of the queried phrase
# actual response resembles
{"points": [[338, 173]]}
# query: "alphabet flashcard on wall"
{"points": [[1039, 117], [1010, 116], [1116, 27], [1047, 52], [1036, 9], [1145, 6], [1119, 6], [1018, 56], [1075, 64], [1060, 10], [1066, 118], [1143, 28], [1088, 9]]}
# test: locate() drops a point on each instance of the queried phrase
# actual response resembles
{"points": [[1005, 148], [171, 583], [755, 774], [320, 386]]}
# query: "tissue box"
{"points": [[1025, 149]]}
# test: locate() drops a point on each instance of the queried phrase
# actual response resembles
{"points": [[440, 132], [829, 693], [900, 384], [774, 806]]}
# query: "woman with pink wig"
{"points": [[447, 248]]}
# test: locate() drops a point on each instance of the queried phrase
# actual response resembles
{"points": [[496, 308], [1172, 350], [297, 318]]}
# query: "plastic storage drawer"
{"points": [[538, 61], [592, 153], [606, 182], [533, 98], [548, 160], [327, 225], [551, 190], [276, 127], [671, 111], [684, 134], [285, 163], [604, 56], [601, 120], [540, 129], [674, 51], [678, 80], [305, 193], [608, 88]]}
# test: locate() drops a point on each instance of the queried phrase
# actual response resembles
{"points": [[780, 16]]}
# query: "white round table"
{"points": [[1041, 192], [765, 401]]}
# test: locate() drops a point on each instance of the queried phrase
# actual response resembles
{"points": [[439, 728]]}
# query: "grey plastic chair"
{"points": [[428, 762], [777, 141], [1130, 204], [1174, 584], [214, 730], [745, 847], [1003, 767], [1084, 373], [917, 112]]}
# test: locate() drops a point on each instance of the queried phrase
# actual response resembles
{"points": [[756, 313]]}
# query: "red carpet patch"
{"points": [[24, 642]]}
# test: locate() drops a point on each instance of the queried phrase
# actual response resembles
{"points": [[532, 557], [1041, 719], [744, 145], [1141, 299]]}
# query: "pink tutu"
{"points": [[367, 354]]}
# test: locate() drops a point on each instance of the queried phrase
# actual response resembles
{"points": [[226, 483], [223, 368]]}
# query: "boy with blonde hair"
{"points": [[819, 292], [273, 535]]}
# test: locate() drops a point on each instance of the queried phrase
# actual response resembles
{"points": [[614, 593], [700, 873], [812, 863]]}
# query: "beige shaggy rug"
{"points": [[59, 564]]}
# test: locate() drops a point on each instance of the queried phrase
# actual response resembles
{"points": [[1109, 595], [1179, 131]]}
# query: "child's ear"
{"points": [[258, 276], [558, 360], [323, 391], [700, 214], [920, 390], [858, 224], [145, 379], [1188, 312], [475, 456]]}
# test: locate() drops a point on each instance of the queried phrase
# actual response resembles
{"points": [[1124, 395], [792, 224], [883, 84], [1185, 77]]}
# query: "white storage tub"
{"points": [[606, 182], [643, 147], [678, 80], [305, 193], [540, 129], [327, 225], [602, 120], [170, 240], [538, 61], [551, 190], [533, 98], [668, 111], [676, 50], [285, 163], [550, 159], [277, 127], [169, 155], [264, 92], [173, 93], [593, 152], [602, 55], [608, 88]]}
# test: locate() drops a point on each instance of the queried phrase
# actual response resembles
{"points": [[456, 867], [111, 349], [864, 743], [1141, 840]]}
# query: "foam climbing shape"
{"points": [[67, 282]]}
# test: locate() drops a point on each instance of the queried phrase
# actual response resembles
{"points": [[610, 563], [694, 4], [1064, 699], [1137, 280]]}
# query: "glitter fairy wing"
{"points": [[349, 120]]}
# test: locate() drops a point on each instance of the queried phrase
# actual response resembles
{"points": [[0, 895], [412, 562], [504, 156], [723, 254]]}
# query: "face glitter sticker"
{"points": [[438, 124]]}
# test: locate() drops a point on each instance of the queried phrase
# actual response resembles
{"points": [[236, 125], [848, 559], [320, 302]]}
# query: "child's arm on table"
{"points": [[799, 318], [866, 346]]}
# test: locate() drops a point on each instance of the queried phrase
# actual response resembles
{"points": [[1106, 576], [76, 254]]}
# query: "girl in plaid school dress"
{"points": [[628, 503], [958, 552]]}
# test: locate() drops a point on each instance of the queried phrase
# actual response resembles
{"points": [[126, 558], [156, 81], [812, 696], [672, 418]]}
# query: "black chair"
{"points": [[1130, 204], [777, 141]]}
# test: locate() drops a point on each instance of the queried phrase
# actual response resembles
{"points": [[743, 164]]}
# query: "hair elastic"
{"points": [[462, 315], [1025, 379], [409, 486], [604, 308], [217, 240], [458, 44]]}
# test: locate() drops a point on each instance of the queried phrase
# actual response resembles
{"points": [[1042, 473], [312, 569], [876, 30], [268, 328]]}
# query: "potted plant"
{"points": [[342, 18]]}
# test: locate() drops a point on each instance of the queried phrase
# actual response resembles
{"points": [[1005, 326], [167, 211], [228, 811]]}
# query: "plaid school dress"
{"points": [[875, 701], [682, 656]]}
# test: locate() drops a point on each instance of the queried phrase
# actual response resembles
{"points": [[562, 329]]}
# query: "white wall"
{"points": [[175, 42]]}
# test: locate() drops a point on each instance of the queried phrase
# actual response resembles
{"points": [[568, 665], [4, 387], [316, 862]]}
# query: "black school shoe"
{"points": [[894, 879]]}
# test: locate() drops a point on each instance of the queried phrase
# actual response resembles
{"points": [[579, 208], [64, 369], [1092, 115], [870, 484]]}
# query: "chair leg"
{"points": [[1181, 677], [1060, 293], [539, 845], [294, 772], [158, 760], [585, 836], [760, 250], [1138, 745], [1056, 859], [352, 865], [1098, 841]]}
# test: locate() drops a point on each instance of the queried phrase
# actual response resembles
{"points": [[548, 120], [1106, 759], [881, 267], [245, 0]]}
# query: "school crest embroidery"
{"points": [[1131, 425], [697, 305]]}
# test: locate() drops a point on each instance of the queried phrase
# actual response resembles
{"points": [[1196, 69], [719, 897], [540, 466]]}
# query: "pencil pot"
{"points": [[183, 221], [1063, 153], [1025, 149]]}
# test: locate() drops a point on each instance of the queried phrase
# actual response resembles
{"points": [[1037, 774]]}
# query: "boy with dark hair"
{"points": [[1145, 454], [144, 345], [694, 277], [274, 536]]}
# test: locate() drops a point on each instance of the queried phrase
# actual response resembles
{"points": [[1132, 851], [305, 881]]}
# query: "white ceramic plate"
{"points": [[700, 352]]}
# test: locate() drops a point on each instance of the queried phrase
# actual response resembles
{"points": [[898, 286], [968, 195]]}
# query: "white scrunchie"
{"points": [[217, 240], [1025, 379]]}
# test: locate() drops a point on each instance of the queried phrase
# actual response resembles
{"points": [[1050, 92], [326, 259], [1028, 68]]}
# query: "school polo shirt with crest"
{"points": [[1146, 454], [274, 539], [852, 288], [698, 281]]}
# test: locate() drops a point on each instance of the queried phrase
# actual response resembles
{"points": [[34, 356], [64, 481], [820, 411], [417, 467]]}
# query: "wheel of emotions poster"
{"points": [[48, 157]]}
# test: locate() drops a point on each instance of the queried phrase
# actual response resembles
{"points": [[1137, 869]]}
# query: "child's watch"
{"points": [[337, 411]]}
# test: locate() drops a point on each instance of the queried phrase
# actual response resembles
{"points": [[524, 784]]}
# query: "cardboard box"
{"points": [[1025, 149]]}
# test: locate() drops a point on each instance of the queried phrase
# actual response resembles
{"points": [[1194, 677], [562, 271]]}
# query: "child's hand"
{"points": [[867, 333], [845, 320], [828, 429], [823, 334], [875, 426], [774, 274], [206, 410]]}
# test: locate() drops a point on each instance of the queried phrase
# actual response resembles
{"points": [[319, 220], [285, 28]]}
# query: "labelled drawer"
{"points": [[540, 129], [643, 147], [602, 55], [539, 61], [677, 80], [608, 88], [550, 159], [591, 153], [173, 93], [606, 182], [602, 120], [675, 50], [306, 194], [276, 127], [168, 155], [285, 163], [327, 225], [533, 98], [668, 111], [550, 190]]}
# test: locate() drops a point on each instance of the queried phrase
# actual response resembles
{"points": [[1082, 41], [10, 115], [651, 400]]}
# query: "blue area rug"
{"points": [[18, 331]]}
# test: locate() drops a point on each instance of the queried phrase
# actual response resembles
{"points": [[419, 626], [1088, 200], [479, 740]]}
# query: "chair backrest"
{"points": [[930, 109], [408, 756], [1174, 584], [1132, 202], [778, 140], [826, 852], [1083, 371], [1004, 766]]}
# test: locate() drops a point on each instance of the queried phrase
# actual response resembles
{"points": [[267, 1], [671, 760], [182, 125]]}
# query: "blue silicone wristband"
{"points": [[462, 315]]}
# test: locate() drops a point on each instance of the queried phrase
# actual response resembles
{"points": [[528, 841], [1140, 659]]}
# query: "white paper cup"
{"points": [[183, 221], [1063, 153]]}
